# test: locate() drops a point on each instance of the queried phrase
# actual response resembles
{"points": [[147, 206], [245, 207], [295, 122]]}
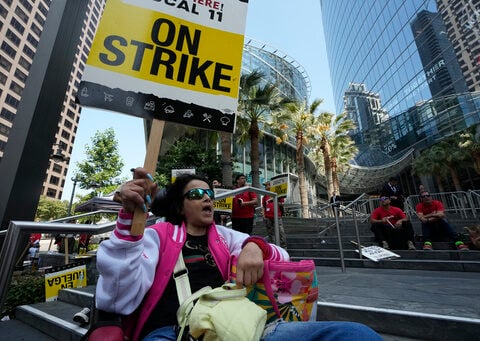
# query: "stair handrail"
{"points": [[16, 230], [339, 235]]}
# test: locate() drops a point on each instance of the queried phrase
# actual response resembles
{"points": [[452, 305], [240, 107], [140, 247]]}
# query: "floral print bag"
{"points": [[288, 290]]}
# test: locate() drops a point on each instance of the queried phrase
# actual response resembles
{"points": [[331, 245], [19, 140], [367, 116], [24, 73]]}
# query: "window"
{"points": [[28, 51], [5, 63], [13, 37], [4, 130], [17, 88], [39, 19], [51, 193], [27, 5], [54, 180], [8, 50], [17, 25], [35, 29], [3, 78], [57, 168], [21, 14], [20, 76], [12, 101], [7, 114], [25, 63], [68, 124], [31, 39]]}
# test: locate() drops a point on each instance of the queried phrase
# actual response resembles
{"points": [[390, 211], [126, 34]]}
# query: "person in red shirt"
{"points": [[269, 217], [243, 209], [391, 227], [432, 215]]}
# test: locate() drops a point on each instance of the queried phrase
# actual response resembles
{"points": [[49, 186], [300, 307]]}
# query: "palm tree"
{"points": [[343, 151], [300, 118], [226, 145], [469, 140], [428, 164], [334, 145], [256, 102], [451, 156]]}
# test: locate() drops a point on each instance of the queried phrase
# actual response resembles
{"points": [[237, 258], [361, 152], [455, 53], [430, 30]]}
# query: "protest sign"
{"points": [[176, 61], [376, 253], [65, 276], [222, 205]]}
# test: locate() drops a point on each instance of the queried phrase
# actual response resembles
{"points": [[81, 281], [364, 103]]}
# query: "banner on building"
{"points": [[65, 276], [177, 61]]}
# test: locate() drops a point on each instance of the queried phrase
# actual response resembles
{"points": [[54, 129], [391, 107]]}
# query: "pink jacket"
{"points": [[134, 271]]}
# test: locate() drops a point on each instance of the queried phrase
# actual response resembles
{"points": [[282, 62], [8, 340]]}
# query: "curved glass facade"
{"points": [[293, 82], [279, 68], [419, 60]]}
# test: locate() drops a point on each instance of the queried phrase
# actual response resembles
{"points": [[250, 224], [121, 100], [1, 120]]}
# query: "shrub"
{"points": [[25, 288]]}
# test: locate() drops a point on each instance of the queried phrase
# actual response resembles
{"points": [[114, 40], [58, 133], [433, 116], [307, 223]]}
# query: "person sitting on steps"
{"points": [[391, 227], [432, 215]]}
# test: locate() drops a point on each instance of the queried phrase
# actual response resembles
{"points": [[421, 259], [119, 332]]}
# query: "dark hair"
{"points": [[239, 176], [168, 202]]}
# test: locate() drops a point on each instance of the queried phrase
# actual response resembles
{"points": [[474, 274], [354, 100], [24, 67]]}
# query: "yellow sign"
{"points": [[170, 60], [222, 205], [279, 185], [73, 277]]}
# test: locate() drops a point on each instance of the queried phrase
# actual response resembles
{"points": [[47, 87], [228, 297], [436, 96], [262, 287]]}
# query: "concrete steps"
{"points": [[385, 295], [50, 320]]}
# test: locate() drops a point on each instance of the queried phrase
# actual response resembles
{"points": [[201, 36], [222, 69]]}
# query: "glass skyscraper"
{"points": [[419, 58]]}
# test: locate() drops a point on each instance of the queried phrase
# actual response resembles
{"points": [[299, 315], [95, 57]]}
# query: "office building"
{"points": [[406, 52], [22, 23]]}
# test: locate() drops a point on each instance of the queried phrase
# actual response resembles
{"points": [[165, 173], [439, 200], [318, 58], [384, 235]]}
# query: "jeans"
{"points": [[324, 331], [438, 228], [270, 226], [288, 331], [396, 237]]}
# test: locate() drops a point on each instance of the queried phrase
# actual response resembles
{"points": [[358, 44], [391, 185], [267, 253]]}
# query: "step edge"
{"points": [[72, 327], [408, 313]]}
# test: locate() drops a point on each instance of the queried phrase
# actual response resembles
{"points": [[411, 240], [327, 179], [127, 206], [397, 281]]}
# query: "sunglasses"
{"points": [[198, 193], [425, 196]]}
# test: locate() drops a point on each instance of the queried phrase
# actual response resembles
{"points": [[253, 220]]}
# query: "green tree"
{"points": [[49, 209], [186, 153], [256, 102], [299, 117], [103, 165]]}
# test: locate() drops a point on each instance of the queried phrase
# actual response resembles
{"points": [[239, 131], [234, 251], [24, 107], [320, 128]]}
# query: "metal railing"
{"points": [[17, 230]]}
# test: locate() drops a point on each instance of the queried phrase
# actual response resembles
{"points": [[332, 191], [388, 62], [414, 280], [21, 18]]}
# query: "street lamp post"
{"points": [[75, 180]]}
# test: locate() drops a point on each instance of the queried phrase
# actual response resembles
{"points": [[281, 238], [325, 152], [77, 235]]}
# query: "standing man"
{"points": [[243, 209], [432, 215], [335, 202], [393, 190], [391, 226], [268, 206]]}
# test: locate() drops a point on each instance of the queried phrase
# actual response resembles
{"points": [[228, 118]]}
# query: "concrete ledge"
{"points": [[403, 323]]}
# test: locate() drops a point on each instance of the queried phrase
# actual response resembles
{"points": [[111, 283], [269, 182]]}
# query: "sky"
{"points": [[292, 27]]}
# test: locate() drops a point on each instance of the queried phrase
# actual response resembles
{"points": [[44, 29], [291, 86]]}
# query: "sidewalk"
{"points": [[422, 291]]}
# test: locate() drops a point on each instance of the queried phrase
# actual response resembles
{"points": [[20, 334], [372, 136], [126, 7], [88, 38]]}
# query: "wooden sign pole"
{"points": [[150, 164]]}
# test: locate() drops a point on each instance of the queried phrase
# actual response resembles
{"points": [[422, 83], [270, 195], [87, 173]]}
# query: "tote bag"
{"points": [[287, 290]]}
